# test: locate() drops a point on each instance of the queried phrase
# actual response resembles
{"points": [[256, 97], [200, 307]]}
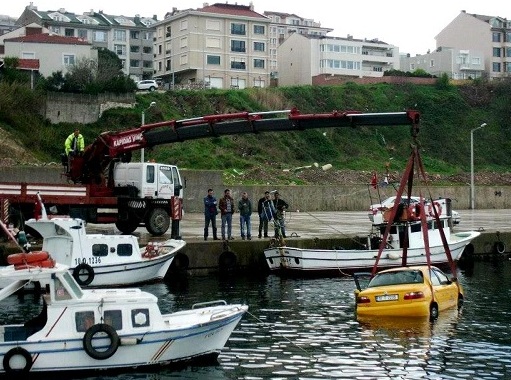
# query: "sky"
{"points": [[409, 25]]}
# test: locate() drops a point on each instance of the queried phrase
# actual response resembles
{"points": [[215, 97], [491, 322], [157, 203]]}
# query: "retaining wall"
{"points": [[304, 198]]}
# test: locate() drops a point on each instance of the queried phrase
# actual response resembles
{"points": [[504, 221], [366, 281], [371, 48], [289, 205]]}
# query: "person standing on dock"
{"points": [[226, 205], [210, 212], [280, 209], [264, 210], [245, 209]]}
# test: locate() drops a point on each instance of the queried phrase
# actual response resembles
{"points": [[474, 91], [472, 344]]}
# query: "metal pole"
{"points": [[142, 150], [472, 188], [143, 123]]}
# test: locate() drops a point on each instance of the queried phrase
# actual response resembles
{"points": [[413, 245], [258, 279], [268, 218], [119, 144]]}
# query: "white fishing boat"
{"points": [[313, 261], [100, 259], [105, 329]]}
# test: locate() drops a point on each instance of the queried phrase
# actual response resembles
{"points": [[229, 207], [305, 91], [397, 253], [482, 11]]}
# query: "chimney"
{"points": [[251, 6]]}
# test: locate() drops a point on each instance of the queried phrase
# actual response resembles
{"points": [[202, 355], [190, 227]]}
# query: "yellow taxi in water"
{"points": [[415, 291]]}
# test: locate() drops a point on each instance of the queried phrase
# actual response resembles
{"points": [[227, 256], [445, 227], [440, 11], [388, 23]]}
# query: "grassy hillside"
{"points": [[448, 115]]}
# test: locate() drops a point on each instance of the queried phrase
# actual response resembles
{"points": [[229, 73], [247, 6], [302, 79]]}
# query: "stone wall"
{"points": [[303, 198], [82, 108]]}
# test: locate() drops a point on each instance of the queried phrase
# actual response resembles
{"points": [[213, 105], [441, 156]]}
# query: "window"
{"points": [[134, 48], [495, 37], [507, 67], [134, 63], [82, 33], [508, 52], [432, 63], [120, 49], [496, 67], [148, 50], [150, 174], [99, 36], [476, 61], [258, 46], [114, 319], [119, 35], [100, 250], [213, 59], [69, 32], [238, 46], [124, 249], [135, 34], [496, 52], [259, 29], [239, 29], [69, 59], [140, 317], [237, 63], [84, 320], [259, 63]]}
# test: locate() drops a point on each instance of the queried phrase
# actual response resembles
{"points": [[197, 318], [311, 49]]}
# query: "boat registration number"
{"points": [[387, 297]]}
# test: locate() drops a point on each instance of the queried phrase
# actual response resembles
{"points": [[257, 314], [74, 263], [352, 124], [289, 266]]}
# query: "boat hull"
{"points": [[298, 261], [151, 348]]}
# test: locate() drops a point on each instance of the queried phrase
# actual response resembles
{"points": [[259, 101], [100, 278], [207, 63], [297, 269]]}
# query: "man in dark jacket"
{"points": [[264, 210], [280, 208], [226, 206], [210, 212]]}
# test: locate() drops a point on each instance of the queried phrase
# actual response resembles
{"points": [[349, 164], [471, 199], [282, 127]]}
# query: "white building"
{"points": [[303, 57]]}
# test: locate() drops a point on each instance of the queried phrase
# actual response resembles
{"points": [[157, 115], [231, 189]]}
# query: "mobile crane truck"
{"points": [[104, 186]]}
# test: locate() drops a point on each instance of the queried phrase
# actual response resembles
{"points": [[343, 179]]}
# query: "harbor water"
{"points": [[307, 329]]}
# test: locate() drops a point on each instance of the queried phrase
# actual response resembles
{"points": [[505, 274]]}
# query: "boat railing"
{"points": [[208, 303]]}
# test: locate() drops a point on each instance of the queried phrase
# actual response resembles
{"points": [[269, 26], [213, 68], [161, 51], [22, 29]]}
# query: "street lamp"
{"points": [[143, 123], [472, 190]]}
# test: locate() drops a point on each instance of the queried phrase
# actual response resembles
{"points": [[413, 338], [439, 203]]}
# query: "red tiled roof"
{"points": [[28, 64], [231, 9], [45, 38]]}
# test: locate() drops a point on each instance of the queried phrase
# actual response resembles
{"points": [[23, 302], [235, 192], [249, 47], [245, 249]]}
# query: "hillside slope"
{"points": [[447, 116]]}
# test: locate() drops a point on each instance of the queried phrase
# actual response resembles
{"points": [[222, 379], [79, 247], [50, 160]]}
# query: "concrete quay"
{"points": [[306, 229]]}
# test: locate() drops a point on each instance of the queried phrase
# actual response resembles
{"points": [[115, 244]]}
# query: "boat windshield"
{"points": [[73, 284], [12, 288]]}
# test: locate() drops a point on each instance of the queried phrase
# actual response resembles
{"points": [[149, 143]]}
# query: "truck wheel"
{"points": [[157, 222], [127, 226]]}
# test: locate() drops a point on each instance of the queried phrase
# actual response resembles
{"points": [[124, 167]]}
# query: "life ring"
{"points": [[27, 258], [433, 206], [499, 247], [48, 263], [111, 334], [82, 270], [17, 351]]}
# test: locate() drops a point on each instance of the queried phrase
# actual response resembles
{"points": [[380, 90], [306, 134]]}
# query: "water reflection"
{"points": [[306, 328]]}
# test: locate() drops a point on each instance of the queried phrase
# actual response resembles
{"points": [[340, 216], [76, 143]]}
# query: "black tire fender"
{"points": [[78, 274], [12, 353], [499, 247], [111, 335]]}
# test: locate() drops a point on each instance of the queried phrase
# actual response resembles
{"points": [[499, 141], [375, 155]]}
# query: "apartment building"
{"points": [[131, 38], [216, 46], [301, 58], [456, 63], [282, 25], [490, 35]]}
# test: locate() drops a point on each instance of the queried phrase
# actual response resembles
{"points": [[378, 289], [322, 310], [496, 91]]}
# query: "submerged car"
{"points": [[415, 291]]}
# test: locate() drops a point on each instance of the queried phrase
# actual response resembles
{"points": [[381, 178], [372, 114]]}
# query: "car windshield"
{"points": [[397, 278]]}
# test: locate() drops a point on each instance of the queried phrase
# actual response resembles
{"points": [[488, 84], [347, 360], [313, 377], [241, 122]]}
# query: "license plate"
{"points": [[387, 297]]}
